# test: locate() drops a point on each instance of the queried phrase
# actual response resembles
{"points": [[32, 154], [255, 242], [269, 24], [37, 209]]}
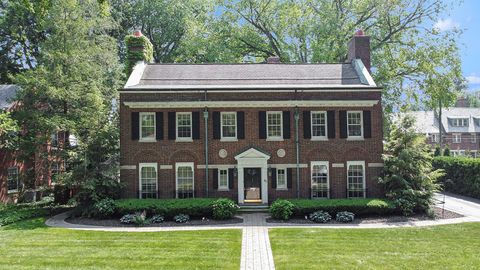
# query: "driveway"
{"points": [[466, 206]]}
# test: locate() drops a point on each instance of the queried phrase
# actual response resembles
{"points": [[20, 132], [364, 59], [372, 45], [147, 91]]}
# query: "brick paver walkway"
{"points": [[256, 250]]}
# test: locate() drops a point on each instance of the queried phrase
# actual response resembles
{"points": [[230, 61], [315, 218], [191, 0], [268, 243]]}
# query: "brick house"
{"points": [[460, 129], [253, 132]]}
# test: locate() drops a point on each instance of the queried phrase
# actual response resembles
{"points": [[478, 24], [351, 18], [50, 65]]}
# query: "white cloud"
{"points": [[445, 25], [473, 79]]}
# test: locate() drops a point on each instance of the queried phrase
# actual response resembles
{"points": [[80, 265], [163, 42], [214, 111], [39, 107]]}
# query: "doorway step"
{"points": [[253, 208]]}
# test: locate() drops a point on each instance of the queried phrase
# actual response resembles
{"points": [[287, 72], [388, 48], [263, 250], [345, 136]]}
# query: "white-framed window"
{"points": [[148, 176], [458, 153], [474, 138], [319, 125], [474, 154], [12, 179], [223, 179], [228, 125], [184, 179], [356, 179], [274, 125], [456, 138], [184, 126], [355, 124], [54, 139], [460, 122], [320, 179], [434, 137], [147, 126], [281, 178]]}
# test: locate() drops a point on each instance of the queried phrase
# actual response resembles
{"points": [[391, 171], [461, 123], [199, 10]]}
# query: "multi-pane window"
{"points": [[354, 124], [223, 179], [229, 125], [356, 179], [147, 126], [148, 180], [434, 137], [54, 139], [459, 122], [184, 125], [320, 185], [12, 178], [274, 125], [319, 124], [474, 138], [184, 180], [457, 138], [281, 179], [458, 153]]}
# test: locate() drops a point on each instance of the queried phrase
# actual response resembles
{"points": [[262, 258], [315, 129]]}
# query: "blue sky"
{"points": [[466, 17]]}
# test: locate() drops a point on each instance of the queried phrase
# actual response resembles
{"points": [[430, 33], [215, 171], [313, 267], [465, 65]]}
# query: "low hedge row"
{"points": [[360, 207], [14, 213], [462, 175]]}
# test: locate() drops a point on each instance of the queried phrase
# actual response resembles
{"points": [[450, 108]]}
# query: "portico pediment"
{"points": [[253, 153]]}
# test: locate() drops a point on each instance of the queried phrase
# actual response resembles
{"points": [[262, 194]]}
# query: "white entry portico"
{"points": [[252, 158]]}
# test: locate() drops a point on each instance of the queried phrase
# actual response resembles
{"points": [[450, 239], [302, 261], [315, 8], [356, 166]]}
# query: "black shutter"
{"points": [[215, 178], [216, 125], [135, 125], [240, 125], [367, 124], [289, 178], [273, 171], [343, 124], [286, 124], [331, 124], [172, 126], [230, 178], [195, 125], [159, 125], [307, 131], [262, 124]]}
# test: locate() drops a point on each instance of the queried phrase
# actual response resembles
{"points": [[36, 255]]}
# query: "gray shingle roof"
{"points": [[426, 122], [7, 94]]}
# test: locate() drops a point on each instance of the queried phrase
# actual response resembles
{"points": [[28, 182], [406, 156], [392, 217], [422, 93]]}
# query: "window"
{"points": [[356, 179], [474, 153], [457, 138], [55, 169], [460, 122], [319, 177], [184, 126], [147, 126], [319, 125], [184, 180], [274, 125], [54, 139], [148, 180], [474, 138], [12, 179], [281, 179], [223, 179], [354, 124], [458, 153], [434, 137], [229, 125]]}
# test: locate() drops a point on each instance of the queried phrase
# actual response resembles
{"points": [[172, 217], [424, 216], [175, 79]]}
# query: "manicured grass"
{"points": [[438, 247], [31, 245]]}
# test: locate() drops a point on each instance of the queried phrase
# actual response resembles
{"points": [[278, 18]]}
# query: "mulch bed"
{"points": [[377, 219], [117, 223]]}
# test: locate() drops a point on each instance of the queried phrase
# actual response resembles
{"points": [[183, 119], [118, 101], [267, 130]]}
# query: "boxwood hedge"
{"points": [[462, 175], [360, 207]]}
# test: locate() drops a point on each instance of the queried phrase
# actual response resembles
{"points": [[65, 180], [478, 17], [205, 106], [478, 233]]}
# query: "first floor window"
{"points": [[474, 138], [457, 138], [12, 178], [147, 126], [184, 180], [274, 125], [281, 179], [434, 137], [354, 124], [148, 180], [229, 125], [223, 179], [319, 124], [320, 185], [184, 125], [356, 179]]}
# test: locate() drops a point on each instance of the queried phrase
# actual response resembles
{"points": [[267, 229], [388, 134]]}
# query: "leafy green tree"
{"points": [[409, 178], [8, 130]]}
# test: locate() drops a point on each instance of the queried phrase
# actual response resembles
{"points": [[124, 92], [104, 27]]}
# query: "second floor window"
{"points": [[474, 138], [457, 138], [319, 125], [460, 122], [354, 124], [274, 125], [184, 125], [147, 126], [229, 125]]}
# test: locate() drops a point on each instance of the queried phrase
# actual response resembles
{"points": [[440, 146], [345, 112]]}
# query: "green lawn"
{"points": [[439, 247], [31, 245]]}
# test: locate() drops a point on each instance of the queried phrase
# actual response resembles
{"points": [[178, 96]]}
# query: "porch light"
{"points": [[235, 171]]}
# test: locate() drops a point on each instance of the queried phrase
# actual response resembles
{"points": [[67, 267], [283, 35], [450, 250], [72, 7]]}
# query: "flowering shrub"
{"points": [[157, 219], [320, 217], [345, 217], [127, 219], [181, 218]]}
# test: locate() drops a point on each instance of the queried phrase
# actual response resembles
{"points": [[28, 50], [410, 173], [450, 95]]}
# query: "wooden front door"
{"points": [[253, 184]]}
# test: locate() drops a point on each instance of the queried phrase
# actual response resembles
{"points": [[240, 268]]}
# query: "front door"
{"points": [[252, 183]]}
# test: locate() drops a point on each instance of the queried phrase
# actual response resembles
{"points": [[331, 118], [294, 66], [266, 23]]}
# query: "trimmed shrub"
{"points": [[157, 219], [320, 217], [345, 217], [282, 209], [361, 207], [167, 207], [181, 218], [104, 208], [224, 209], [462, 175]]}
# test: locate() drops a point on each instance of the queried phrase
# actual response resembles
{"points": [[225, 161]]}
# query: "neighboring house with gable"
{"points": [[253, 132]]}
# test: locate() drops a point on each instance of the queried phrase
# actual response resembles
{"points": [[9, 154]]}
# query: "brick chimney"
{"points": [[273, 60], [138, 49], [359, 48]]}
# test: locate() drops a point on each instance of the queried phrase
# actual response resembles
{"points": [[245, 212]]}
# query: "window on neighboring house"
{"points": [[148, 180], [458, 153], [54, 139], [354, 124], [457, 138], [185, 186], [474, 153], [223, 179], [274, 125], [319, 125], [147, 126], [184, 126], [460, 122], [319, 177], [474, 138], [434, 137], [356, 179], [12, 179], [229, 125], [281, 178]]}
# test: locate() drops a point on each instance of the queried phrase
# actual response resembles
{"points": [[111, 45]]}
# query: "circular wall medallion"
{"points": [[281, 152], [222, 153]]}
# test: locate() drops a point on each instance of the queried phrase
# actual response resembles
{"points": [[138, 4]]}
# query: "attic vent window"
{"points": [[459, 122]]}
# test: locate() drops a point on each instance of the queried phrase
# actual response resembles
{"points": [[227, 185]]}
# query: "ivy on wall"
{"points": [[138, 49]]}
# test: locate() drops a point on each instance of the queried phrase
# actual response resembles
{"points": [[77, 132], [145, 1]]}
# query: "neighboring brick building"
{"points": [[460, 129], [237, 126]]}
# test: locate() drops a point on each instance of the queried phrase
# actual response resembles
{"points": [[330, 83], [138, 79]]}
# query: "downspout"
{"points": [[205, 117], [297, 146]]}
